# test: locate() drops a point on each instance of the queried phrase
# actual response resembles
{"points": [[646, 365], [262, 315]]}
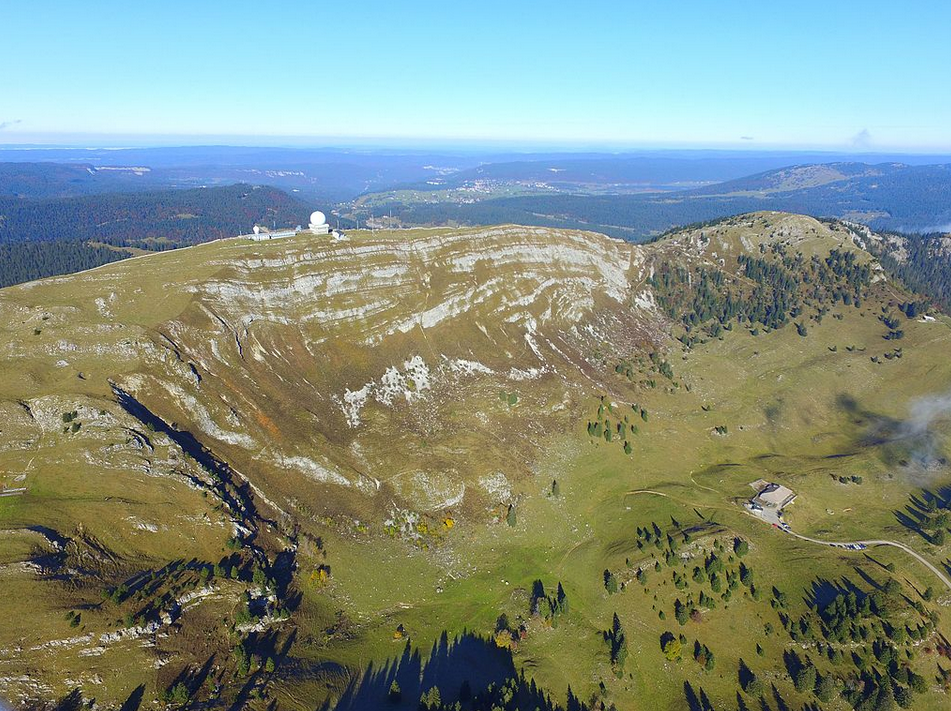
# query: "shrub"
{"points": [[825, 688], [395, 694], [177, 695], [754, 687], [672, 649]]}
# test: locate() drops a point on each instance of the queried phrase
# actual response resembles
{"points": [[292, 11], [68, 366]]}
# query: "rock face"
{"points": [[376, 288], [403, 366], [372, 366]]}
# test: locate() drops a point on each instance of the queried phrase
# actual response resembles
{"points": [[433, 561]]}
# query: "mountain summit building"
{"points": [[317, 226], [318, 223]]}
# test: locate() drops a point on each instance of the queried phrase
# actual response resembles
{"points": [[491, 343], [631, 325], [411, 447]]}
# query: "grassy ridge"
{"points": [[372, 569]]}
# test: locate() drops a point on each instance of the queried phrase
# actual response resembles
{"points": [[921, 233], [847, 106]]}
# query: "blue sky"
{"points": [[831, 74]]}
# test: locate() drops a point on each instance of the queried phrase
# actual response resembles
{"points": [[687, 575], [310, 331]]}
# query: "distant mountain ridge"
{"points": [[800, 177], [54, 180], [888, 196], [117, 199]]}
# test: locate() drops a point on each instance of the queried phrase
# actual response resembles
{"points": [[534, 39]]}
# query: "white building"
{"points": [[262, 235], [774, 496], [318, 223], [318, 226]]}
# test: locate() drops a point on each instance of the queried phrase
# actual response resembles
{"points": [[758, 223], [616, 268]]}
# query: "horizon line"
{"points": [[118, 142]]}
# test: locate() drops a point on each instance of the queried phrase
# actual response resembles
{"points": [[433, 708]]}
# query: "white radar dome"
{"points": [[257, 229], [317, 218]]}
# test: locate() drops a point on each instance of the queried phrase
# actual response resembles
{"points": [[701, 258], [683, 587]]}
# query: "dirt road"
{"points": [[843, 544]]}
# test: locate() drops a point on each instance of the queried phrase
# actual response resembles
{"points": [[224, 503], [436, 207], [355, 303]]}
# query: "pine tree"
{"points": [[395, 694]]}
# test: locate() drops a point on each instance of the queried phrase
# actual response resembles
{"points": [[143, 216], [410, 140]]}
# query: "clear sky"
{"points": [[826, 74]]}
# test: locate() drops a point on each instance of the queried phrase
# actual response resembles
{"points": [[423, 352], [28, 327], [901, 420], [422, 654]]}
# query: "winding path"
{"points": [[833, 544], [839, 544]]}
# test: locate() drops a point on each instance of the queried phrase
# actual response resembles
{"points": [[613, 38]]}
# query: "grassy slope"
{"points": [[777, 393], [591, 527], [573, 539]]}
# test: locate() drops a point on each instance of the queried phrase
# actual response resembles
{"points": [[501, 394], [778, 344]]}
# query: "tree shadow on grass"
{"points": [[792, 662], [468, 657], [72, 701], [693, 701], [469, 661], [781, 704], [869, 580], [744, 674], [697, 700], [926, 514], [823, 591], [265, 645], [135, 699], [193, 678]]}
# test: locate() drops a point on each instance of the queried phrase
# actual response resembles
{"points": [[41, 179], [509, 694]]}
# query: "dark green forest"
{"points": [[776, 288], [46, 237], [27, 261]]}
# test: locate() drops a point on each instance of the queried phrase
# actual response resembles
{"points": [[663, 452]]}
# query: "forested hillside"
{"points": [[40, 238], [52, 180], [922, 262], [27, 261], [887, 196]]}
